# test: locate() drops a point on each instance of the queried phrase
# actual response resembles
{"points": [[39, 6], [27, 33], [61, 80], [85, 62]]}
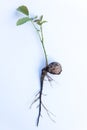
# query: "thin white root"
{"points": [[48, 113]]}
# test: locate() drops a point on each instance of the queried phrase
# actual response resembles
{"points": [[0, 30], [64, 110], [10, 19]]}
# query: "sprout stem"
{"points": [[41, 39]]}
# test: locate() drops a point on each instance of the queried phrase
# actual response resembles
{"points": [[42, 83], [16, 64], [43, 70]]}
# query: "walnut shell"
{"points": [[54, 68]]}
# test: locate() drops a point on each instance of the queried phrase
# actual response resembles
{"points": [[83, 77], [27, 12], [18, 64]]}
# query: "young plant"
{"points": [[52, 68]]}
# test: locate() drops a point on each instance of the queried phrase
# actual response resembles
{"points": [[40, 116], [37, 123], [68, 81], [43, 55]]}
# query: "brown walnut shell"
{"points": [[54, 68]]}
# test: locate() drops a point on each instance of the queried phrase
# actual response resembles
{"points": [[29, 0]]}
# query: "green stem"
{"points": [[41, 40]]}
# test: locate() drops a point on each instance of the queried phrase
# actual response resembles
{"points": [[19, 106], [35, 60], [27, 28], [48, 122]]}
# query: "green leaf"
{"points": [[23, 20], [41, 17], [23, 9], [43, 22], [38, 22]]}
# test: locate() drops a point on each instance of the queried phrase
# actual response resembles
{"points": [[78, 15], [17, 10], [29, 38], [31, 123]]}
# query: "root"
{"points": [[38, 97], [34, 102], [48, 113]]}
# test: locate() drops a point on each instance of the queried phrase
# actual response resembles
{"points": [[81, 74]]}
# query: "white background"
{"points": [[21, 60]]}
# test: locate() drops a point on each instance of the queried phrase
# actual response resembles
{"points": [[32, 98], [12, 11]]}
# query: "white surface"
{"points": [[21, 60]]}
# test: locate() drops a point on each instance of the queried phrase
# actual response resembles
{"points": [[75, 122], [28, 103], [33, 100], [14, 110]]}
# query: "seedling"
{"points": [[52, 68]]}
